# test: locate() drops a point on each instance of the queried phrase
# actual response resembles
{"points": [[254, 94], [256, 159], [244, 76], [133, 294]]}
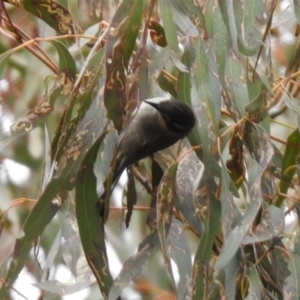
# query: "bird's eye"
{"points": [[180, 127]]}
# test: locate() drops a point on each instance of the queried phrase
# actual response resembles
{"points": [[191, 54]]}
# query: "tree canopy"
{"points": [[215, 216]]}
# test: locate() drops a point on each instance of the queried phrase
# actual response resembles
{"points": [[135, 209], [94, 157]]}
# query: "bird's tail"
{"points": [[102, 204]]}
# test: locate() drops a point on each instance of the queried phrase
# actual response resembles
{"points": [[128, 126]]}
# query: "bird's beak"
{"points": [[155, 101], [155, 105]]}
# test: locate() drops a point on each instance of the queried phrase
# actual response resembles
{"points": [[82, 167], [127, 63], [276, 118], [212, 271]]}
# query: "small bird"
{"points": [[157, 124]]}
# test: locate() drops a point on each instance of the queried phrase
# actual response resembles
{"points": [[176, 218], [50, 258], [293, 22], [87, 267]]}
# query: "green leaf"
{"points": [[252, 11], [164, 210], [54, 194], [181, 18], [297, 10], [66, 63], [169, 25], [56, 287], [255, 172], [131, 196], [221, 42], [292, 103], [271, 225], [289, 162], [292, 282], [230, 213], [189, 169], [51, 12], [227, 11], [181, 255], [183, 80], [90, 228], [41, 214], [254, 291], [193, 9], [121, 39], [159, 62], [38, 115], [206, 83], [232, 12], [134, 265], [81, 112], [201, 267], [232, 271], [236, 92]]}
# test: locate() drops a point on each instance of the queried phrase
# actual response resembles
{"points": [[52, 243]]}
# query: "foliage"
{"points": [[224, 202]]}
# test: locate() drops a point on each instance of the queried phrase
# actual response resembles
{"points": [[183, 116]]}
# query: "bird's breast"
{"points": [[146, 134]]}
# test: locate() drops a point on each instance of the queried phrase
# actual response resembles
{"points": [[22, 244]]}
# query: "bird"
{"points": [[157, 124]]}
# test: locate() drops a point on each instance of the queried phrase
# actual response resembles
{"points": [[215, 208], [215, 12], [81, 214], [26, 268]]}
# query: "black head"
{"points": [[178, 116]]}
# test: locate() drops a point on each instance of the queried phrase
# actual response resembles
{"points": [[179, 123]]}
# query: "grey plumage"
{"points": [[157, 124]]}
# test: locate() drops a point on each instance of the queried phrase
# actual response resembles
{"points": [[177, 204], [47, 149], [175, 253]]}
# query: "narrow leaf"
{"points": [[120, 42], [90, 228]]}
